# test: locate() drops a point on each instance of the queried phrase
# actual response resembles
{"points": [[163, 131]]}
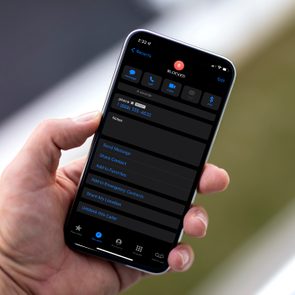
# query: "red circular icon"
{"points": [[178, 65]]}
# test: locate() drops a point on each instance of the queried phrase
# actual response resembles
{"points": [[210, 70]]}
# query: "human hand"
{"points": [[35, 196]]}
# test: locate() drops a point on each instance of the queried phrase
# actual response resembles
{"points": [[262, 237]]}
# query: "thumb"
{"points": [[42, 151]]}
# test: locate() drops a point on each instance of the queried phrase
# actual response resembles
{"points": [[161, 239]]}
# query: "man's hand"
{"points": [[34, 199]]}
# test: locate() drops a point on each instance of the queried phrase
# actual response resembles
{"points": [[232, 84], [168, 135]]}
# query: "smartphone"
{"points": [[159, 121]]}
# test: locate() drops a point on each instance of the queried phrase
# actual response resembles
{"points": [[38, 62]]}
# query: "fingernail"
{"points": [[86, 117], [184, 257], [200, 215]]}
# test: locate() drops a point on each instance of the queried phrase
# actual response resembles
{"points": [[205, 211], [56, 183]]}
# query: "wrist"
{"points": [[8, 285]]}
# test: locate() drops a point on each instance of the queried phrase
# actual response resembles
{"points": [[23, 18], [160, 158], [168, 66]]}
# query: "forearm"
{"points": [[8, 285]]}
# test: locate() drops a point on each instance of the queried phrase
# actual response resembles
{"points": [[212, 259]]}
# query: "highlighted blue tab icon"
{"points": [[98, 235]]}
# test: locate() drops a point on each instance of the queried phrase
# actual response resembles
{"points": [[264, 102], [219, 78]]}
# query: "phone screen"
{"points": [[158, 124]]}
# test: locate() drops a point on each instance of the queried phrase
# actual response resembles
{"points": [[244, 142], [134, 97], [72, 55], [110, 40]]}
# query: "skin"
{"points": [[35, 196]]}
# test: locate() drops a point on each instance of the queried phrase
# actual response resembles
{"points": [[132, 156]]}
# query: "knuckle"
{"points": [[46, 125]]}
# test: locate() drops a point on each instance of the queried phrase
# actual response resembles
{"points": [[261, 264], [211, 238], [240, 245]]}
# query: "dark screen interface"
{"points": [[148, 154]]}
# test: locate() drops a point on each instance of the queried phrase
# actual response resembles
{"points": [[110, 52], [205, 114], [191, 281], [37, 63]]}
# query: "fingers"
{"points": [[195, 222], [213, 179], [44, 146], [181, 258], [74, 169]]}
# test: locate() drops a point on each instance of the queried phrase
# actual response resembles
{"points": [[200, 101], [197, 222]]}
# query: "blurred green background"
{"points": [[255, 144]]}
